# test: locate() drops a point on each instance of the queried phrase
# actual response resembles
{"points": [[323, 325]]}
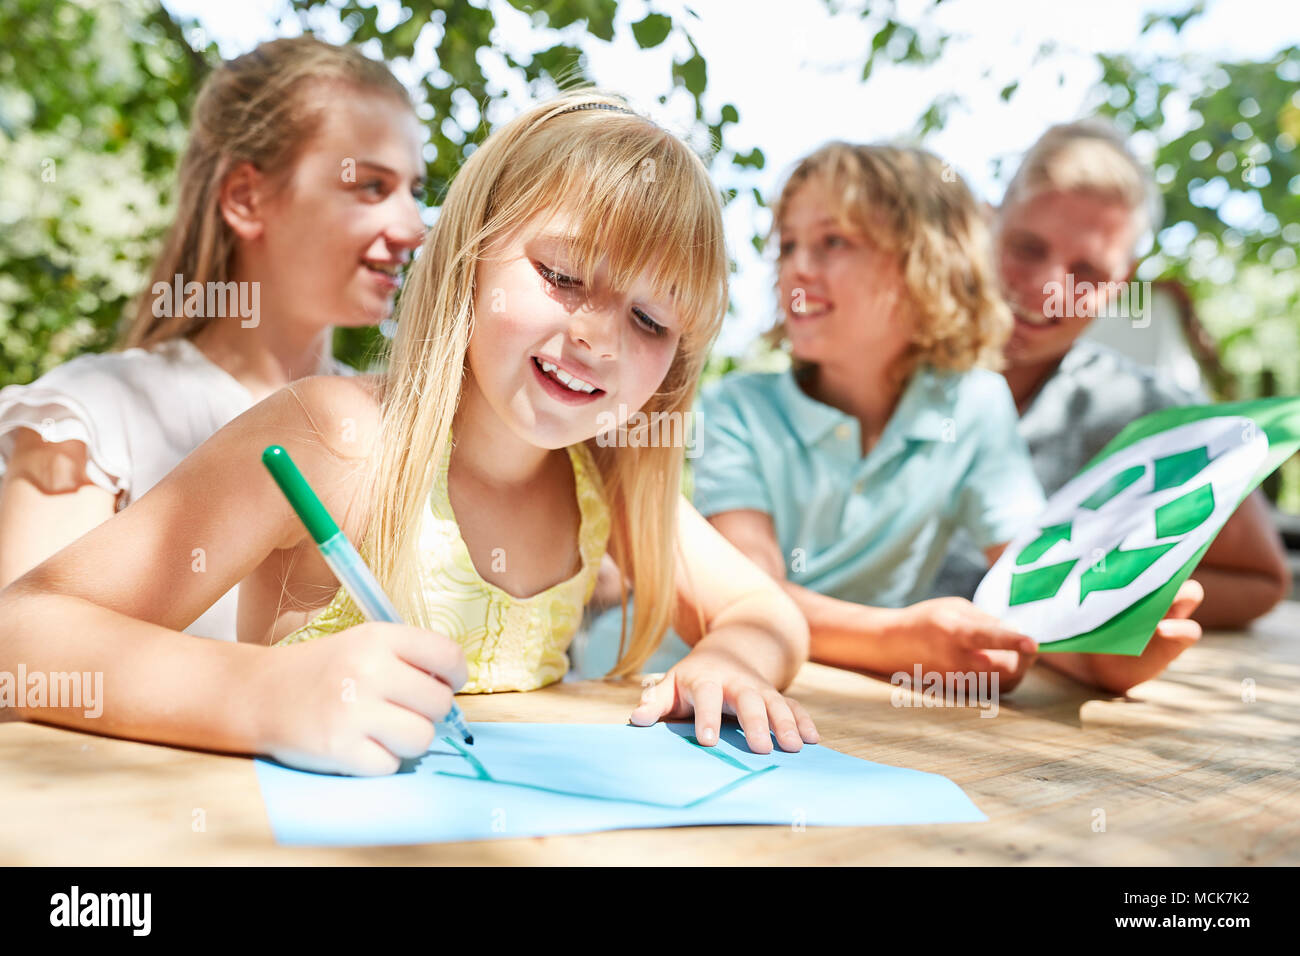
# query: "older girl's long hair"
{"points": [[639, 200], [259, 108]]}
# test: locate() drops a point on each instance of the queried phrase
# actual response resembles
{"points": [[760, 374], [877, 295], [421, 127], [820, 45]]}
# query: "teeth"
{"points": [[570, 382], [389, 268]]}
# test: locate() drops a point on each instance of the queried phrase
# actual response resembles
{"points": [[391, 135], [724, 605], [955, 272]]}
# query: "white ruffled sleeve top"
{"points": [[138, 412]]}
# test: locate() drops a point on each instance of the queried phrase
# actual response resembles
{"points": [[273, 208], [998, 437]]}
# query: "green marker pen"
{"points": [[339, 553]]}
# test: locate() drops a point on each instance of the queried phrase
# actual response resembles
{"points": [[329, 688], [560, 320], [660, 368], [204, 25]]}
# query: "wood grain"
{"points": [[1186, 771]]}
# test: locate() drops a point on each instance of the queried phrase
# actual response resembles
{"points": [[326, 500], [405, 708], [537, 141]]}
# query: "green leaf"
{"points": [[693, 74], [652, 30]]}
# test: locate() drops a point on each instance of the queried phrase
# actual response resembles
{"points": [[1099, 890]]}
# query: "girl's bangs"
{"points": [[648, 212]]}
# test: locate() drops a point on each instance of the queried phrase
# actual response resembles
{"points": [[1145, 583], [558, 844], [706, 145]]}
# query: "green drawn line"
{"points": [[481, 773], [592, 796], [725, 758], [479, 769]]}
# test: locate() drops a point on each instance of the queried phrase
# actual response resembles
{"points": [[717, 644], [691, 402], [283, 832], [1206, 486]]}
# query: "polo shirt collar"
{"points": [[928, 401]]}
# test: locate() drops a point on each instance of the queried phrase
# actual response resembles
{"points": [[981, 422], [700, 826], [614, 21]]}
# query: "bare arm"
{"points": [[1244, 572], [115, 600], [752, 643], [946, 633], [737, 602], [46, 502]]}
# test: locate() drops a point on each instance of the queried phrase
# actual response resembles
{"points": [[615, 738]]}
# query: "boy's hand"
{"points": [[950, 634], [711, 681], [359, 701]]}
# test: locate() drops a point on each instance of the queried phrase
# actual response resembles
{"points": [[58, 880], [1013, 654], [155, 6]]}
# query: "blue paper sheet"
{"points": [[521, 780]]}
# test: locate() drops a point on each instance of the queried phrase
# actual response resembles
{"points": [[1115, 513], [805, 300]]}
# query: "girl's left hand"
{"points": [[711, 682]]}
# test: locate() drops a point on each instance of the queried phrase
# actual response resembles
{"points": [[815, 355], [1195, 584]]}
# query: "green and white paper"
{"points": [[1101, 566]]}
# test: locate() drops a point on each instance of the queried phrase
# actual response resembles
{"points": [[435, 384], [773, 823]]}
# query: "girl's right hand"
{"points": [[358, 701], [950, 634]]}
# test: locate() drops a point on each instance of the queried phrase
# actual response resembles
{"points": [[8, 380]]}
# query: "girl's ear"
{"points": [[242, 201]]}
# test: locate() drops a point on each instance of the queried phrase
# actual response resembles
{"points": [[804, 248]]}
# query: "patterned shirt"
{"points": [[1091, 396]]}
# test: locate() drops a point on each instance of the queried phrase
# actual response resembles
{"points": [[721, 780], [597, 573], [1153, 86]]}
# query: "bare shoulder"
{"points": [[343, 411], [328, 425]]}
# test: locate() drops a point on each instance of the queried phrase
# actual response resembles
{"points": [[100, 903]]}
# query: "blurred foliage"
{"points": [[95, 97], [1225, 138], [1231, 186], [93, 102]]}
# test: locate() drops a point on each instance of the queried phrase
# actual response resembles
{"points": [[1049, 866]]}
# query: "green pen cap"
{"points": [[319, 524]]}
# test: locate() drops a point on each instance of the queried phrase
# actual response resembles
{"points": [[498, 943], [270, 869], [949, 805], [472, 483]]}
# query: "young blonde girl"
{"points": [[577, 267]]}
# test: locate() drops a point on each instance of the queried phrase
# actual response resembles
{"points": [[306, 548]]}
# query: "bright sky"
{"points": [[792, 70]]}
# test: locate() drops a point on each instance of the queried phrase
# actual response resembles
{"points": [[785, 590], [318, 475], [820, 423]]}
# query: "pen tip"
{"points": [[469, 739]]}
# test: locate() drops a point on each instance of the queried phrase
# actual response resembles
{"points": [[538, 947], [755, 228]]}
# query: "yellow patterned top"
{"points": [[510, 643]]}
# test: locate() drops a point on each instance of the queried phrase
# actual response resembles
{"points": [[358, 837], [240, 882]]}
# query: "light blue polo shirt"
{"points": [[872, 529]]}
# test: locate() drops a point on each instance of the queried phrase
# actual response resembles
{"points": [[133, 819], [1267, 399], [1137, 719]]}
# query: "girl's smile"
{"points": [[564, 386]]}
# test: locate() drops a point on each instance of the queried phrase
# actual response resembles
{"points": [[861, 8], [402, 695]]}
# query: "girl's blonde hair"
{"points": [[1088, 156], [260, 108], [639, 199], [908, 203]]}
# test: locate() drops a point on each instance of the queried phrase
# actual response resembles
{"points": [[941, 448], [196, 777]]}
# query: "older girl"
{"points": [[298, 204]]}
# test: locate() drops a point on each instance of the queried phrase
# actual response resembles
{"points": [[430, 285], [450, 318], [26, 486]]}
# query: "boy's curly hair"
{"points": [[908, 203]]}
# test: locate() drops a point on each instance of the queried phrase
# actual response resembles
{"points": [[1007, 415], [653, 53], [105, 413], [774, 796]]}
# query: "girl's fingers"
{"points": [[431, 652], [656, 702], [369, 759], [807, 729], [781, 719], [416, 690], [752, 714], [706, 697], [401, 732]]}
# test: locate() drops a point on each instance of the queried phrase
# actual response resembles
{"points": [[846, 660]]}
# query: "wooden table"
{"points": [[1186, 771]]}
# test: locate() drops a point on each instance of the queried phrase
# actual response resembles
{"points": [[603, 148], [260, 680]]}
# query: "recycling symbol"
{"points": [[1123, 528]]}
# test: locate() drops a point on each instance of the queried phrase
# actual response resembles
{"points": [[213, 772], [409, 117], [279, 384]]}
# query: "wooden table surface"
{"points": [[1189, 770]]}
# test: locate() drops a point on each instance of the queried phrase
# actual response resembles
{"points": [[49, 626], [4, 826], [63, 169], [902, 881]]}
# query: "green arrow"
{"points": [[1173, 470], [1181, 515], [1038, 584], [1120, 569], [1043, 543], [1113, 487]]}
